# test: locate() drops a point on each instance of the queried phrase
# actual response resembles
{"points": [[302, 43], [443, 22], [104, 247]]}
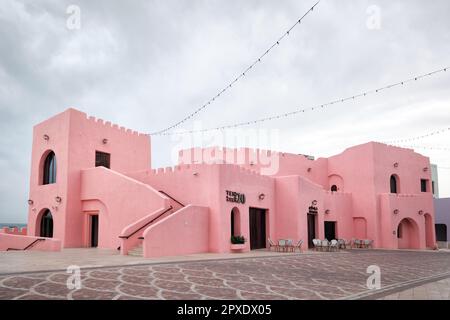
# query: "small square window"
{"points": [[102, 159]]}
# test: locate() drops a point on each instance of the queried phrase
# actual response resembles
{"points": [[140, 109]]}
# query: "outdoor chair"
{"points": [[341, 243], [326, 245], [358, 243], [317, 244], [282, 245], [348, 244], [299, 245], [334, 245], [290, 245], [272, 245], [368, 243]]}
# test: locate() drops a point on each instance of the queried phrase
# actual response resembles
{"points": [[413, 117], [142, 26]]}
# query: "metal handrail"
{"points": [[28, 246], [169, 196], [145, 225]]}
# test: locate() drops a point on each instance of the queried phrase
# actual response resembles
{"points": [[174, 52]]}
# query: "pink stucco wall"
{"points": [[20, 242], [123, 201], [127, 196], [183, 232], [74, 138]]}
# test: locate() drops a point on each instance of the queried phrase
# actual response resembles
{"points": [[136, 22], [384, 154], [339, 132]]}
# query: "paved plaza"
{"points": [[340, 275]]}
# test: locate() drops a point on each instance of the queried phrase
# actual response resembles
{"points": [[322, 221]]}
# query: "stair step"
{"points": [[136, 251]]}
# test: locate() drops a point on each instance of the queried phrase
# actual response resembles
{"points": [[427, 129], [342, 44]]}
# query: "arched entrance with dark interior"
{"points": [[408, 234], [45, 224], [429, 231]]}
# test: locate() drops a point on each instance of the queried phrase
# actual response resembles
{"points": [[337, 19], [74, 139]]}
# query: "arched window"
{"points": [[49, 175], [334, 188], [394, 184], [235, 222], [47, 224]]}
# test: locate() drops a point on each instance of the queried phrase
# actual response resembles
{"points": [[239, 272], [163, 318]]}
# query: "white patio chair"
{"points": [[334, 245], [326, 245], [282, 244], [317, 244]]}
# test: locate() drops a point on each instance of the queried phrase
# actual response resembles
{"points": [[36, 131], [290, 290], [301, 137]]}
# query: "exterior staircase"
{"points": [[136, 251], [175, 205]]}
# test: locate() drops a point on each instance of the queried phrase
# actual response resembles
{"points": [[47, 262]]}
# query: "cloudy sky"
{"points": [[147, 64]]}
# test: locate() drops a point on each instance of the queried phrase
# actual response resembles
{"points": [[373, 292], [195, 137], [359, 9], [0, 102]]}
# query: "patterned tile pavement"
{"points": [[323, 276]]}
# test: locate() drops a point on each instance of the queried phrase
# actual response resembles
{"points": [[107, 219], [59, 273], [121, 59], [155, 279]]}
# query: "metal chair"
{"points": [[272, 245], [282, 244], [299, 245], [334, 245], [325, 245], [317, 244]]}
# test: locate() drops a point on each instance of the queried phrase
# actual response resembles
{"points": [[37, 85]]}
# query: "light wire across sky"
{"points": [[301, 110], [239, 77]]}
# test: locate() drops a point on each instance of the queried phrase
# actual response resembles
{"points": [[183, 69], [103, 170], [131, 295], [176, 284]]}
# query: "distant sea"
{"points": [[11, 225]]}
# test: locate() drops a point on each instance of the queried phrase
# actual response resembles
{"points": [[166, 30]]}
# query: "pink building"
{"points": [[92, 185]]}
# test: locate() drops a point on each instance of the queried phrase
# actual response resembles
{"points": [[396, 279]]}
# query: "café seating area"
{"points": [[288, 245]]}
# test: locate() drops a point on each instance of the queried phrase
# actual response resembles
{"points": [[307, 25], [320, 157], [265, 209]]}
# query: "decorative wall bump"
{"points": [[58, 199], [425, 169], [261, 196], [105, 141], [195, 173], [46, 137], [396, 165], [327, 211], [396, 211], [420, 212], [309, 169], [30, 202]]}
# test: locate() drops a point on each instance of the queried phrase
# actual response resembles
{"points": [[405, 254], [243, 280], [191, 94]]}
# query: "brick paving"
{"points": [[340, 275]]}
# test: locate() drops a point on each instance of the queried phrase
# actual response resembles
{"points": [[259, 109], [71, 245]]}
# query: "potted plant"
{"points": [[237, 242]]}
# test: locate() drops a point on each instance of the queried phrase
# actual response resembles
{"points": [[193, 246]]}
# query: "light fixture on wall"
{"points": [[309, 169], [314, 203], [195, 173], [425, 169], [396, 211], [46, 137], [421, 212], [327, 211], [58, 199], [261, 196], [396, 165], [105, 141], [30, 202]]}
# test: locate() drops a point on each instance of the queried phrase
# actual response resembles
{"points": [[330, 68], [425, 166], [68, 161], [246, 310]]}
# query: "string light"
{"points": [[318, 107], [241, 75], [426, 148], [419, 137]]}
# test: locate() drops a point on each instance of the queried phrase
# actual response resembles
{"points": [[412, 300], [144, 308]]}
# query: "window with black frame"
{"points": [[49, 175], [102, 159]]}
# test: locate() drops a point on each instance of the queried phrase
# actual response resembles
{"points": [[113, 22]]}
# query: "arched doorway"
{"points": [[408, 234], [429, 241], [46, 225]]}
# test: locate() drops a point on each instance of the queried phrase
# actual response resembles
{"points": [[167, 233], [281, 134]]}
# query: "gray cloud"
{"points": [[146, 64]]}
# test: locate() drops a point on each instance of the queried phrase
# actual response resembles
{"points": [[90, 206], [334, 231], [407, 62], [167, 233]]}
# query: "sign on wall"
{"points": [[235, 197]]}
